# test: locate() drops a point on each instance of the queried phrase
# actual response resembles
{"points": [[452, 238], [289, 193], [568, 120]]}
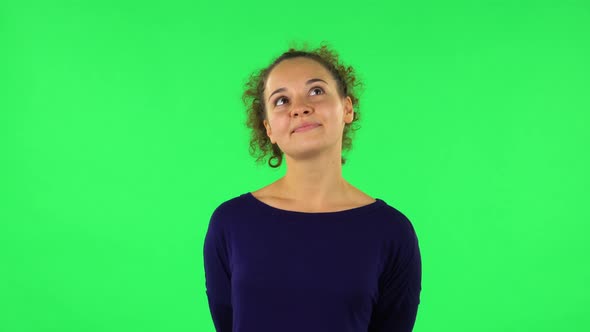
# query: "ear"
{"points": [[348, 110], [268, 130]]}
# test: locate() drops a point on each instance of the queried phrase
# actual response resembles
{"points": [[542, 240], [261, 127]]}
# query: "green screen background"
{"points": [[122, 129]]}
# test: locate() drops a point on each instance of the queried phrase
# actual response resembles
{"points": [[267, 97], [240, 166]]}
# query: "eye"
{"points": [[317, 87], [312, 89], [278, 100]]}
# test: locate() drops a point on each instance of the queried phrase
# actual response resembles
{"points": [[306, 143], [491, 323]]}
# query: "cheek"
{"points": [[281, 122], [279, 125]]}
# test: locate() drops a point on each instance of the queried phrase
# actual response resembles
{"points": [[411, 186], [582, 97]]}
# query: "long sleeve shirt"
{"points": [[271, 270]]}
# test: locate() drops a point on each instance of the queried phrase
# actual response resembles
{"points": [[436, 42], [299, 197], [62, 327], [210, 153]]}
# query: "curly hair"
{"points": [[253, 98]]}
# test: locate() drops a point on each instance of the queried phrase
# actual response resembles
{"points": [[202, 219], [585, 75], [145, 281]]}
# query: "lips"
{"points": [[305, 126]]}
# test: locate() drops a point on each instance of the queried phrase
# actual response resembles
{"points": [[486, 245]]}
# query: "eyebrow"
{"points": [[306, 83]]}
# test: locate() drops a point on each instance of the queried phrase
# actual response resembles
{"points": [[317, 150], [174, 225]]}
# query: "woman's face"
{"points": [[302, 100]]}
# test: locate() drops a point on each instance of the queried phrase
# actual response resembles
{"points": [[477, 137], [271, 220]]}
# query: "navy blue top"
{"points": [[268, 269]]}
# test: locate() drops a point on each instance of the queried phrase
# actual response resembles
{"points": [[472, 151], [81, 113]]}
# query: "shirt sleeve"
{"points": [[399, 285], [218, 275]]}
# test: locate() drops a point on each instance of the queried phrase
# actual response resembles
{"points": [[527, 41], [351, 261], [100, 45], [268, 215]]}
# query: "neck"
{"points": [[315, 181]]}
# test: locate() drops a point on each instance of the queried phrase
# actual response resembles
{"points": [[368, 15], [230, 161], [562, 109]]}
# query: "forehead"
{"points": [[295, 71]]}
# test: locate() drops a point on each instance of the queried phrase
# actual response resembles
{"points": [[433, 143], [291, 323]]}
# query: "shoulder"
{"points": [[230, 204], [228, 210], [395, 223]]}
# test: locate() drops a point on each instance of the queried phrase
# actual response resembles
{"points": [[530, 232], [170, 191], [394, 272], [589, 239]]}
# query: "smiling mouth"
{"points": [[306, 128]]}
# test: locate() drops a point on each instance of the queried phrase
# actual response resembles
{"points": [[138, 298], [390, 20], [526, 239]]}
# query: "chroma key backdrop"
{"points": [[122, 129]]}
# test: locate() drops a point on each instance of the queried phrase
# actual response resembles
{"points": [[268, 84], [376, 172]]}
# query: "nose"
{"points": [[301, 111], [300, 107]]}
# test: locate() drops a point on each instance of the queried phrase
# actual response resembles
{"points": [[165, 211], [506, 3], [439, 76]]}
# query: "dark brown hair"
{"points": [[253, 98]]}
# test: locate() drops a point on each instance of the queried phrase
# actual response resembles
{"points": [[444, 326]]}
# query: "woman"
{"points": [[309, 252]]}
